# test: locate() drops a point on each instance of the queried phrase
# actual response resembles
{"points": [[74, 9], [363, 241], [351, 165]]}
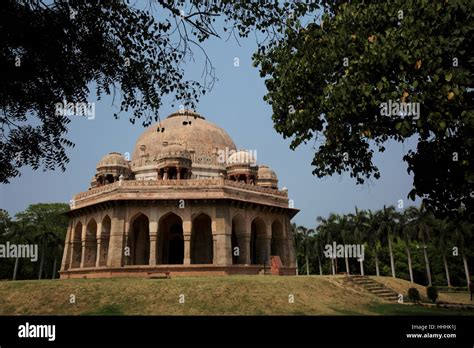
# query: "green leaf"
{"points": [[448, 76]]}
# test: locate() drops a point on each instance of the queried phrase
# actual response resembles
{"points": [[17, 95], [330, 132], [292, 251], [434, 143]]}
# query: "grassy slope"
{"points": [[233, 295]]}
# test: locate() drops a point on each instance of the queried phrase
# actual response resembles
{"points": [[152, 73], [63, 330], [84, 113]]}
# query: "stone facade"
{"points": [[160, 217]]}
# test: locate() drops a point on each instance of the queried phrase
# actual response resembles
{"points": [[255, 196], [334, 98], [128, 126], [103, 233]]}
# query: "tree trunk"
{"points": [[307, 257], [466, 268], [377, 270], [361, 267], [54, 269], [15, 268], [410, 268], [320, 266], [332, 267], [392, 262], [427, 262], [347, 265], [42, 259], [445, 261]]}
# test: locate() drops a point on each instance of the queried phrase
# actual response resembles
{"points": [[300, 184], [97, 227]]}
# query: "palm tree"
{"points": [[303, 231], [462, 233], [328, 231], [441, 240], [344, 231], [17, 232], [373, 236], [387, 225], [360, 225], [296, 239], [423, 221], [405, 231], [317, 247]]}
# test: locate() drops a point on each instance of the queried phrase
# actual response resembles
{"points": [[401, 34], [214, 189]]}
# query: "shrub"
{"points": [[413, 295], [432, 293]]}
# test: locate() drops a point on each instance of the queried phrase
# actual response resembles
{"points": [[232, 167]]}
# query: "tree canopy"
{"points": [[53, 52], [329, 82]]}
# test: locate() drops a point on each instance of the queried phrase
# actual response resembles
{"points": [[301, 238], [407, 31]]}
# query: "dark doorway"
{"points": [[172, 242]]}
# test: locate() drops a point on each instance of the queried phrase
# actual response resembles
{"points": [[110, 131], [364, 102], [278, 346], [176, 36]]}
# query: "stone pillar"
{"points": [[65, 263], [243, 242], [153, 229], [99, 241], [187, 242], [165, 175], [267, 243], [222, 234], [83, 243], [178, 173], [71, 256], [117, 232]]}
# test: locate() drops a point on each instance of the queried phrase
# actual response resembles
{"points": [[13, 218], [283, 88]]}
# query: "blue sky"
{"points": [[235, 104]]}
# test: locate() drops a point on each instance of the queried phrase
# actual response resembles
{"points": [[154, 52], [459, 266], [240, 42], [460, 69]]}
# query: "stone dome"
{"points": [[241, 157], [265, 172], [184, 130], [175, 150], [113, 159]]}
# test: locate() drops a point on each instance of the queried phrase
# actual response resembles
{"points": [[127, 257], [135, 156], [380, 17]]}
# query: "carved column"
{"points": [[222, 234], [243, 242], [187, 242], [165, 175], [65, 263], [99, 241], [153, 227], [117, 231], [178, 173], [83, 244]]}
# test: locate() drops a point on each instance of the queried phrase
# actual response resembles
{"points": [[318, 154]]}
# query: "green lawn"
{"points": [[231, 295]]}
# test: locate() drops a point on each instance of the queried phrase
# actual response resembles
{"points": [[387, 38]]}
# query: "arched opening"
{"points": [[90, 252], [139, 241], [201, 240], [238, 248], [104, 241], [109, 179], [257, 242], [77, 246], [277, 244], [171, 240]]}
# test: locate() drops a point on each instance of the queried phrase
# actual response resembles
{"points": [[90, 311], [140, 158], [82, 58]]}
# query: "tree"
{"points": [[47, 226], [360, 224], [462, 234], [329, 231], [423, 221], [345, 233], [318, 249], [373, 236], [387, 224], [331, 80], [305, 233], [405, 230], [53, 52], [441, 238]]}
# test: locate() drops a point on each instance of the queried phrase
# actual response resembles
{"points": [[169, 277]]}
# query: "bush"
{"points": [[432, 293], [413, 295]]}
